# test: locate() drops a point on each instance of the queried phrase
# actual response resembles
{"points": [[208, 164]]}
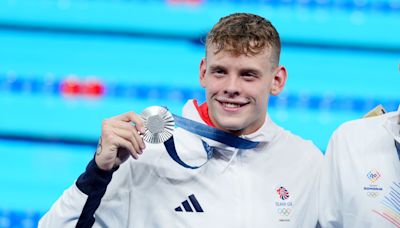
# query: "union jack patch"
{"points": [[283, 193]]}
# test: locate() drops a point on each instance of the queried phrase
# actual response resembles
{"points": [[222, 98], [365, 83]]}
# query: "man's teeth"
{"points": [[231, 105]]}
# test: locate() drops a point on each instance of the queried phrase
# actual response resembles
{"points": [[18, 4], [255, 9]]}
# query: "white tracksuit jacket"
{"points": [[273, 185], [361, 175]]}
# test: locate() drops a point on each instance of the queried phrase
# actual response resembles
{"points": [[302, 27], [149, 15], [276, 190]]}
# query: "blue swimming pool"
{"points": [[148, 53]]}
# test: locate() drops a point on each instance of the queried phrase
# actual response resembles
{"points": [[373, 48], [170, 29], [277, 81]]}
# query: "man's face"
{"points": [[238, 88]]}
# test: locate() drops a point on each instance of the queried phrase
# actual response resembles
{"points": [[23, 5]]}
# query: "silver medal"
{"points": [[159, 124]]}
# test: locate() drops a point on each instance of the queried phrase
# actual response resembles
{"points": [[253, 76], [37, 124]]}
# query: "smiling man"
{"points": [[238, 82], [270, 179]]}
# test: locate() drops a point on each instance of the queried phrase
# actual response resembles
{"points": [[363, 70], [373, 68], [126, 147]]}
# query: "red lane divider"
{"points": [[72, 86]]}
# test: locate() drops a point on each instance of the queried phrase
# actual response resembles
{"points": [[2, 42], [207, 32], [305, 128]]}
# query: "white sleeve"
{"points": [[66, 210], [330, 196], [87, 203]]}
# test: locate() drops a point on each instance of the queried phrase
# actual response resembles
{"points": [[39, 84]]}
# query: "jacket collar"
{"points": [[263, 135], [392, 124]]}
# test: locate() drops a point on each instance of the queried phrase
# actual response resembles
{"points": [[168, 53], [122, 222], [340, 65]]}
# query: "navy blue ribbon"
{"points": [[397, 144], [207, 132]]}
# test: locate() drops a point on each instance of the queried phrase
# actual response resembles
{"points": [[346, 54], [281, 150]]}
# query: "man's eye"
{"points": [[219, 72], [249, 76]]}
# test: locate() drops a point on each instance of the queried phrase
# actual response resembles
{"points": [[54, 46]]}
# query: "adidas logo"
{"points": [[187, 207]]}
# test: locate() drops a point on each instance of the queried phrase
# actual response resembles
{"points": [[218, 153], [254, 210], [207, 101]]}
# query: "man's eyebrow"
{"points": [[252, 70], [217, 67]]}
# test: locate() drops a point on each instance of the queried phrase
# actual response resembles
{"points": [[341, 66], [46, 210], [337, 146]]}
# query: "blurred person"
{"points": [[360, 181], [273, 184]]}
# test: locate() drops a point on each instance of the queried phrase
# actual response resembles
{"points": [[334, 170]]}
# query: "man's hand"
{"points": [[120, 138]]}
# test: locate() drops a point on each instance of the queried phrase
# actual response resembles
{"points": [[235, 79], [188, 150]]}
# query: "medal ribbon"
{"points": [[207, 132]]}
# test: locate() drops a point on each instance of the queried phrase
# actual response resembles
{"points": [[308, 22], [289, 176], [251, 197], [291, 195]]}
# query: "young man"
{"points": [[271, 185], [360, 182]]}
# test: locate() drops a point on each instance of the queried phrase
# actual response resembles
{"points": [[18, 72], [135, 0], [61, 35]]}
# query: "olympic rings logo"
{"points": [[284, 211], [372, 194]]}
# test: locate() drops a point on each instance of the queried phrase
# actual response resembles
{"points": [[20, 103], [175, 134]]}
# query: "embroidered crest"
{"points": [[373, 176], [283, 193]]}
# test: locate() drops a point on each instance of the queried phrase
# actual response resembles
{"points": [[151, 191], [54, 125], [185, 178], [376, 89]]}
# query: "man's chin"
{"points": [[231, 127]]}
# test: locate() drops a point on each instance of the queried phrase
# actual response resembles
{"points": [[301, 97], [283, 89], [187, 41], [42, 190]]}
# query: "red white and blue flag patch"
{"points": [[283, 193]]}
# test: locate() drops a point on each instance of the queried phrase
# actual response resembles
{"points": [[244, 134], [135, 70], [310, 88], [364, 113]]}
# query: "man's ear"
{"points": [[279, 81], [202, 72]]}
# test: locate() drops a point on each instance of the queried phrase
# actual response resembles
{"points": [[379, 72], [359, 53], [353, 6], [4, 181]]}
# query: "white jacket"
{"points": [[361, 175], [273, 185]]}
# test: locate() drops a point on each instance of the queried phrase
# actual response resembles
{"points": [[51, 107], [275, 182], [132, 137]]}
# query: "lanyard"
{"points": [[397, 144], [207, 132]]}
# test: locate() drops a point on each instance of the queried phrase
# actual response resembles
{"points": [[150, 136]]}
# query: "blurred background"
{"points": [[65, 65]]}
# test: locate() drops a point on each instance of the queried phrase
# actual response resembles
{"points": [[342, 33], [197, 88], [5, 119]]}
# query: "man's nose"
{"points": [[232, 86]]}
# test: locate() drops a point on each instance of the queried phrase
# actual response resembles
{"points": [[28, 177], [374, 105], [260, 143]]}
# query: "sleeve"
{"points": [[77, 205], [330, 195], [314, 170]]}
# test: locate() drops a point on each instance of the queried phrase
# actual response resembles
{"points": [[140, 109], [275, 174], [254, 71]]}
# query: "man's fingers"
{"points": [[138, 122], [126, 117], [118, 137], [112, 135], [132, 136], [140, 141], [134, 118], [121, 142], [122, 125], [129, 132]]}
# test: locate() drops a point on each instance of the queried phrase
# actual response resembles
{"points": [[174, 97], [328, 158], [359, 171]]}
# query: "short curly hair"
{"points": [[245, 33]]}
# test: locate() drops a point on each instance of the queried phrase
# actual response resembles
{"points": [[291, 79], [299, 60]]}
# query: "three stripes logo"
{"points": [[187, 207]]}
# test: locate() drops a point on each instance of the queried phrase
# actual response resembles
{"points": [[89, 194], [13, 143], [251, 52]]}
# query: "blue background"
{"points": [[342, 57]]}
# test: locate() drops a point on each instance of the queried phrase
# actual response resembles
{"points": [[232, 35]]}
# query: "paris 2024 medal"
{"points": [[159, 124]]}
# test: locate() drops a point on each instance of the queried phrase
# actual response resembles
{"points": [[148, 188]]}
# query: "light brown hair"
{"points": [[245, 34]]}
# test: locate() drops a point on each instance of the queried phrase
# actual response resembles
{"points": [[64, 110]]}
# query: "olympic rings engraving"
{"points": [[373, 194], [284, 211]]}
